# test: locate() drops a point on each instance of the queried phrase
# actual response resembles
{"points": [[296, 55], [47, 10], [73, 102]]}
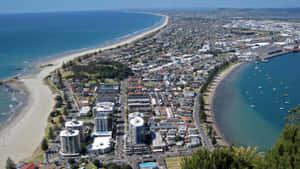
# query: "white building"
{"points": [[136, 130], [70, 142], [135, 114], [100, 145], [84, 110], [104, 108], [75, 125], [188, 93]]}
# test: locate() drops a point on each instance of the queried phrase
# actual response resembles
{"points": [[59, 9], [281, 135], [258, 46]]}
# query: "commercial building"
{"points": [[136, 130], [103, 123], [103, 108], [70, 142]]}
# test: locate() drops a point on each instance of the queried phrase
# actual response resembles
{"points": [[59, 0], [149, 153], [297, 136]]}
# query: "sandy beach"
{"points": [[209, 103], [21, 137]]}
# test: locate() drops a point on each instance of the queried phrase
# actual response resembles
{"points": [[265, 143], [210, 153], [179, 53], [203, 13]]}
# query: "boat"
{"points": [[281, 108], [274, 89], [252, 105], [286, 102], [256, 67], [11, 106], [285, 95], [264, 60], [259, 87]]}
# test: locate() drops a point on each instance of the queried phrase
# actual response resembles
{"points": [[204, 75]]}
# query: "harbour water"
{"points": [[27, 39], [251, 104]]}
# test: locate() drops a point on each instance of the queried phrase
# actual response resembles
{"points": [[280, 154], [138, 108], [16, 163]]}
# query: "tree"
{"points": [[214, 140], [50, 133], [58, 104], [97, 163], [210, 131], [294, 116], [61, 120], [44, 144], [74, 166], [64, 65], [53, 114], [284, 155], [58, 98], [65, 112], [10, 164], [203, 116], [69, 106]]}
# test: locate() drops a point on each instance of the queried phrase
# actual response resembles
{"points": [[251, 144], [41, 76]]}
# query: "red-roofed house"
{"points": [[30, 166]]}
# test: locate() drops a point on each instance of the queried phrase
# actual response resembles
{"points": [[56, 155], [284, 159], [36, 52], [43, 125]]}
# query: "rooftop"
{"points": [[73, 123], [100, 143], [137, 121], [69, 133]]}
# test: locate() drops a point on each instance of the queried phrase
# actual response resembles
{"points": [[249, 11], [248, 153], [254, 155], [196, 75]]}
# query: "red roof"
{"points": [[30, 166]]}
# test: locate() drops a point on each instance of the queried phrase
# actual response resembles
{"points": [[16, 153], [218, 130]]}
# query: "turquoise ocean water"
{"points": [[26, 39], [251, 103]]}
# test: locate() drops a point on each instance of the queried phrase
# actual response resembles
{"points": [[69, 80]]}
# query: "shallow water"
{"points": [[251, 104]]}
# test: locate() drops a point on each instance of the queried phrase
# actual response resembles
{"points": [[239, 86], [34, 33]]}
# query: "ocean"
{"points": [[251, 104], [31, 38]]}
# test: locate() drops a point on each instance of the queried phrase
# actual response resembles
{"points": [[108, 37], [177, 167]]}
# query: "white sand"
{"points": [[22, 136]]}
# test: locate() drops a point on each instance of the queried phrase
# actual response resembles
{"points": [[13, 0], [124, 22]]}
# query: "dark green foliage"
{"points": [[74, 166], [69, 106], [58, 98], [71, 161], [101, 70], [286, 152], [60, 84], [54, 113], [44, 144], [61, 120], [202, 113], [115, 166], [284, 155], [65, 111], [294, 116], [58, 104], [50, 133], [214, 140], [97, 163], [10, 164]]}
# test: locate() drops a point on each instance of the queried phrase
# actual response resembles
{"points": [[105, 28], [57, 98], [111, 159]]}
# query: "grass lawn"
{"points": [[174, 162], [67, 75]]}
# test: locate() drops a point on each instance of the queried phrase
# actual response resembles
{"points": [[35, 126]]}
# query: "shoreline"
{"points": [[21, 100], [29, 125], [209, 99]]}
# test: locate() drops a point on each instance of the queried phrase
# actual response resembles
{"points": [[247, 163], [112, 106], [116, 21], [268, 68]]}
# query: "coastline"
{"points": [[209, 98], [21, 137]]}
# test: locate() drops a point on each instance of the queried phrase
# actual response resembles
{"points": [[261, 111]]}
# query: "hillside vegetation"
{"points": [[284, 155]]}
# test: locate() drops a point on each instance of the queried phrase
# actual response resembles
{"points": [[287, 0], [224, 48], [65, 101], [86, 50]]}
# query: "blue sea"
{"points": [[27, 39], [251, 104]]}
